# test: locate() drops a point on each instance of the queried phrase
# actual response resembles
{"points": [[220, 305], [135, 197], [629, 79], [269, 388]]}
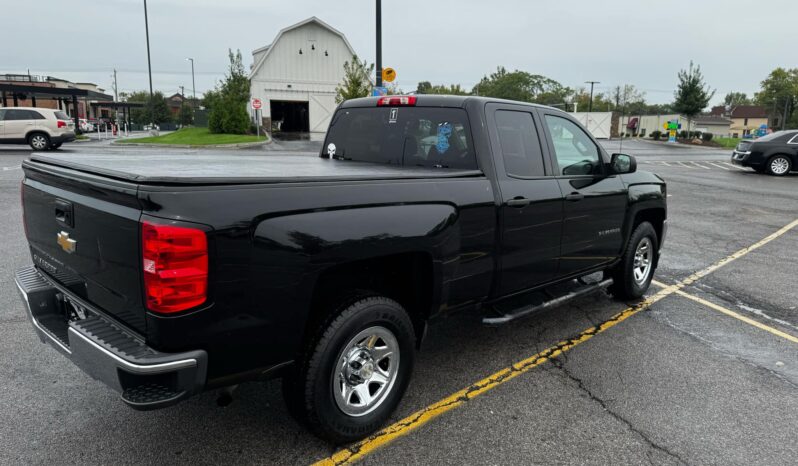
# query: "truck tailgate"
{"points": [[84, 232]]}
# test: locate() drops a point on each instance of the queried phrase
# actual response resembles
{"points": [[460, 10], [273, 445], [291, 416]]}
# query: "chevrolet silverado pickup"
{"points": [[166, 275]]}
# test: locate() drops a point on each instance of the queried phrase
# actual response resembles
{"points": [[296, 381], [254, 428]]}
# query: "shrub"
{"points": [[706, 136], [683, 134], [656, 134]]}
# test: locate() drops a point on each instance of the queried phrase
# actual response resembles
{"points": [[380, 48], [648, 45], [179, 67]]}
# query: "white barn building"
{"points": [[295, 76]]}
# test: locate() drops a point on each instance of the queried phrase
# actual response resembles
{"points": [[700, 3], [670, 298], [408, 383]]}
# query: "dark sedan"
{"points": [[776, 153]]}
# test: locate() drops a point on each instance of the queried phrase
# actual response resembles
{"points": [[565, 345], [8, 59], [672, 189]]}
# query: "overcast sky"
{"points": [[644, 42]]}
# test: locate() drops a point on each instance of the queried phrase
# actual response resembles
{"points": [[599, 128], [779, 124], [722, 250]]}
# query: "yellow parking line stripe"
{"points": [[421, 417], [731, 313]]}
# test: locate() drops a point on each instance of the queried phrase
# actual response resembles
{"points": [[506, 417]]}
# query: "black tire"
{"points": [[779, 165], [309, 388], [625, 285], [39, 141], [55, 146]]}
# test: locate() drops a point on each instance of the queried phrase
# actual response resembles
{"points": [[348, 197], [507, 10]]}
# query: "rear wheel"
{"points": [[354, 374], [632, 276], [779, 165], [39, 141]]}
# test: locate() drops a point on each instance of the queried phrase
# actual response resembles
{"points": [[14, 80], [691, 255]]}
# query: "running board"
{"points": [[527, 310]]}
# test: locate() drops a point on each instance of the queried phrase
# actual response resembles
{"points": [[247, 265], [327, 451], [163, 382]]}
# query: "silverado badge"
{"points": [[66, 244]]}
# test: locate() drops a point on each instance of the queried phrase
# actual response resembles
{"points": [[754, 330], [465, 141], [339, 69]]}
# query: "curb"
{"points": [[242, 145]]}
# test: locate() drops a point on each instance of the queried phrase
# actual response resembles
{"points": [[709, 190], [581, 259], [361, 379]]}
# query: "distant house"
{"points": [[745, 119], [716, 125], [296, 75], [175, 103]]}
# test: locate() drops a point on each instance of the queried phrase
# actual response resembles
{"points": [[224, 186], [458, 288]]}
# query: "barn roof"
{"points": [[268, 48]]}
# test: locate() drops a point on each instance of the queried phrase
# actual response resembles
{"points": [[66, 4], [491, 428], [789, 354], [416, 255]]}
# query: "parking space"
{"points": [[671, 380]]}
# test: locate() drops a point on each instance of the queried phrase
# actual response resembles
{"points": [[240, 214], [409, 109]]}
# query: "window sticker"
{"points": [[331, 150], [444, 132], [394, 115]]}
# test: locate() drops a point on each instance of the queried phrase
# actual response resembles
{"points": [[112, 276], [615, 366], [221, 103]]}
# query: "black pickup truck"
{"points": [[166, 275]]}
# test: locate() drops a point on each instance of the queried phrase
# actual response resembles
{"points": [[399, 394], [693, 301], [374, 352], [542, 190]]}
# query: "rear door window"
{"points": [[408, 136], [34, 115], [520, 144]]}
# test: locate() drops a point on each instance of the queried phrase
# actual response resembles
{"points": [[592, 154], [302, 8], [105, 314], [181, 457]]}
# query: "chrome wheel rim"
{"points": [[365, 371], [642, 261], [779, 165], [39, 142]]}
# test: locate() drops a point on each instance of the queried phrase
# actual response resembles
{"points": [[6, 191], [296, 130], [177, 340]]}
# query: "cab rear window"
{"points": [[410, 136]]}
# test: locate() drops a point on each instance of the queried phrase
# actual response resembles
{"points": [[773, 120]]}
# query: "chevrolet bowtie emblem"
{"points": [[66, 244]]}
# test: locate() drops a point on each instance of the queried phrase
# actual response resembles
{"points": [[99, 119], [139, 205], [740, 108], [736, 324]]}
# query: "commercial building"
{"points": [[77, 99], [296, 75], [745, 119]]}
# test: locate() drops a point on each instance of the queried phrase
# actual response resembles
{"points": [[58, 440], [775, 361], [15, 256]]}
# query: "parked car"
{"points": [[775, 154], [41, 128], [163, 280], [86, 126]]}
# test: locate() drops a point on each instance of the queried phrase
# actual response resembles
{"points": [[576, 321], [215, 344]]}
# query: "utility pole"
{"points": [[182, 102], [193, 86], [149, 64], [116, 97], [590, 106], [379, 44]]}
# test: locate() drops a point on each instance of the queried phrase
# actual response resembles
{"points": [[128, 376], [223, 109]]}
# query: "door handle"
{"points": [[519, 202], [573, 197]]}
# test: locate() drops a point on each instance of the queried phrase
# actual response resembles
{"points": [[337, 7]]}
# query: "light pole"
{"points": [[149, 64], [590, 106], [379, 44], [193, 86]]}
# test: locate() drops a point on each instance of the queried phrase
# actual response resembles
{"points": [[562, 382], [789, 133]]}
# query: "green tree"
{"points": [[357, 80], [692, 95], [228, 102], [522, 86], [734, 99], [779, 94], [425, 87], [580, 100], [155, 110]]}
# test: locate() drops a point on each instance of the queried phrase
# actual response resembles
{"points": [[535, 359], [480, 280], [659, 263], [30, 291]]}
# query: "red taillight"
{"points": [[396, 101], [175, 261], [61, 123]]}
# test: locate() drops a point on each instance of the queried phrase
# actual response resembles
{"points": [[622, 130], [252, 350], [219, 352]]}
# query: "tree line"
{"points": [[778, 93]]}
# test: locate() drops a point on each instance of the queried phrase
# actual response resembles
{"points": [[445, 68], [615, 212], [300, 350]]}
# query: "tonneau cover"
{"points": [[209, 168]]}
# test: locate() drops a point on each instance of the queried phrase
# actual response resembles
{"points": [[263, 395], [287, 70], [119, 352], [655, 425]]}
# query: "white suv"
{"points": [[42, 128]]}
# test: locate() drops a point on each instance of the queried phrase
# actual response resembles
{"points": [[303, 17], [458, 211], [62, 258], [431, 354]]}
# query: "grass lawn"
{"points": [[729, 143], [196, 137]]}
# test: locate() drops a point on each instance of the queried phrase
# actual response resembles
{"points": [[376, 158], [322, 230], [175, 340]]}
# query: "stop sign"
{"points": [[257, 104]]}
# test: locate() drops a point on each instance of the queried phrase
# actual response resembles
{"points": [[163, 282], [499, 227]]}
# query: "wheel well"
{"points": [[656, 217], [405, 278]]}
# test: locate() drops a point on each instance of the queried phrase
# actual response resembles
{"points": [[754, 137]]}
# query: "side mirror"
{"points": [[623, 163]]}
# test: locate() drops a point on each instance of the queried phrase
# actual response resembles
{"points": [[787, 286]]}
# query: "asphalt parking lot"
{"points": [[704, 371]]}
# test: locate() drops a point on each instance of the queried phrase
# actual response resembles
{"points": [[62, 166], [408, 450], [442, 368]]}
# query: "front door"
{"points": [[531, 210], [17, 123], [595, 201]]}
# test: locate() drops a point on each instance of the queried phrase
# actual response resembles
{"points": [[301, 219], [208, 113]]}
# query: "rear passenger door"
{"points": [[531, 209], [2, 123], [595, 200]]}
